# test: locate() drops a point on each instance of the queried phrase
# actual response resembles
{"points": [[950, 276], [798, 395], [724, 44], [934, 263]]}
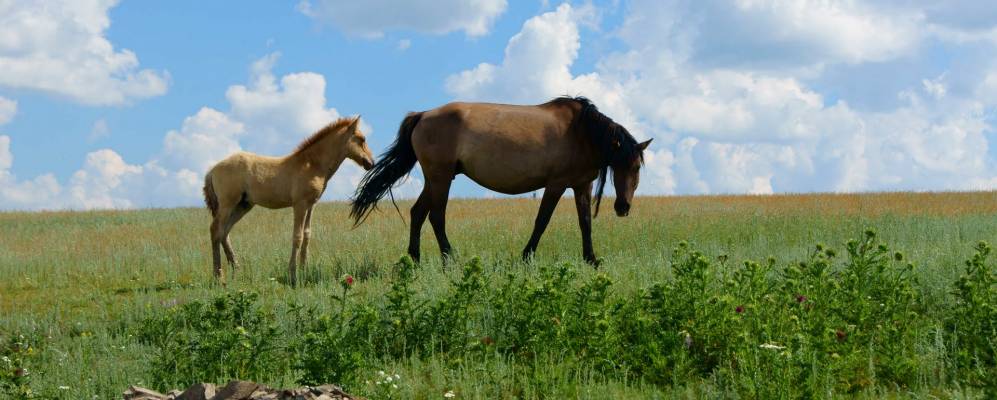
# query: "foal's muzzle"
{"points": [[367, 164]]}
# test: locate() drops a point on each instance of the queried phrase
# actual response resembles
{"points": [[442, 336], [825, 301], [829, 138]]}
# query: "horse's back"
{"points": [[507, 148], [245, 174]]}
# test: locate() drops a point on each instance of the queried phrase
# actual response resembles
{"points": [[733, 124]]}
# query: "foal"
{"points": [[234, 185]]}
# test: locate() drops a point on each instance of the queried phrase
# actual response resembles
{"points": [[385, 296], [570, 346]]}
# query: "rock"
{"points": [[198, 391], [138, 393], [240, 390], [236, 390]]}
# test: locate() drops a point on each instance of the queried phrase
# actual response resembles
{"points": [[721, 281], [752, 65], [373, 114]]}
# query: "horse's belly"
{"points": [[508, 178]]}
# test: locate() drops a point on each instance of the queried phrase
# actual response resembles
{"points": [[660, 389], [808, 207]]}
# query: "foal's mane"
{"points": [[320, 134], [618, 147]]}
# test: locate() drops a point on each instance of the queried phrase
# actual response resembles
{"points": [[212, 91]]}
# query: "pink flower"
{"points": [[739, 309], [349, 280], [801, 298]]}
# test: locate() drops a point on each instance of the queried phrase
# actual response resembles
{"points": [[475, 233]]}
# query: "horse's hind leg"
{"points": [[240, 211], [439, 190], [420, 210], [217, 237]]}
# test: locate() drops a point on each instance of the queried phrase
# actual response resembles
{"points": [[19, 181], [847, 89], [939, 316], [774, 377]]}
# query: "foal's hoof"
{"points": [[593, 261]]}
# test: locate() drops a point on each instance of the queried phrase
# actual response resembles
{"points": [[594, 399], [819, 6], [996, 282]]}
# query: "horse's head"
{"points": [[356, 147], [626, 176]]}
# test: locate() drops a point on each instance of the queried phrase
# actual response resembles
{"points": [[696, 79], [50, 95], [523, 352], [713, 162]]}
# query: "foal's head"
{"points": [[356, 146]]}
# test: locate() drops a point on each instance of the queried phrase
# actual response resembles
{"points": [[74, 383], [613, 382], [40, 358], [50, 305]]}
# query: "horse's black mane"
{"points": [[618, 147]]}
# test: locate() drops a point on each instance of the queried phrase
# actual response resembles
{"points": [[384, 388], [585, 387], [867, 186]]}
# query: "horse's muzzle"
{"points": [[622, 208], [367, 165]]}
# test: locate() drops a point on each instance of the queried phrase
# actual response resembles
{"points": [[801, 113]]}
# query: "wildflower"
{"points": [[770, 346], [398, 378], [63, 387], [841, 335], [801, 298], [487, 341], [346, 281], [449, 394], [687, 341], [20, 372], [739, 309], [394, 386]]}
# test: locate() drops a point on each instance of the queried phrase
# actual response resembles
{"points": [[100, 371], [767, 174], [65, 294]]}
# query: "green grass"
{"points": [[79, 284]]}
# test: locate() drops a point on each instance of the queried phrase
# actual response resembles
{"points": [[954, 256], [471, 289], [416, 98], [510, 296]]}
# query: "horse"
{"points": [[512, 149], [242, 180]]}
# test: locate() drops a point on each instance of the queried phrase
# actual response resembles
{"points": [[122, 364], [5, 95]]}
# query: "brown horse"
{"points": [[564, 143], [234, 185]]}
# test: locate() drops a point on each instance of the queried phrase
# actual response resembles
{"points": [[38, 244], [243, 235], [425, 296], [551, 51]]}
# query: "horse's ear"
{"points": [[643, 145], [355, 123]]}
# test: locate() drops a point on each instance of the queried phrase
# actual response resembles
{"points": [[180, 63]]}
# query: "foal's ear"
{"points": [[355, 123], [643, 145]]}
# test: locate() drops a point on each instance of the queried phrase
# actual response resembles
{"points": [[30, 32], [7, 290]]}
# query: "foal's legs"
{"points": [[300, 210], [583, 201], [307, 236], [547, 205], [418, 215], [238, 212], [439, 190], [217, 236]]}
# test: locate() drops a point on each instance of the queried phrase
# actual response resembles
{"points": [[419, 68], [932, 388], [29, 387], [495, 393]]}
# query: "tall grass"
{"points": [[77, 284]]}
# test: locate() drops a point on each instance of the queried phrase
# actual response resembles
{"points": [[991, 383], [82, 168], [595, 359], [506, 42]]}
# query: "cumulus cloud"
{"points": [[8, 108], [60, 48], [724, 88], [373, 18], [261, 113]]}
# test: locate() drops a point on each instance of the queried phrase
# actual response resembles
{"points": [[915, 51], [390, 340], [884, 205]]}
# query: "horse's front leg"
{"points": [[583, 201], [547, 205], [300, 211], [306, 237]]}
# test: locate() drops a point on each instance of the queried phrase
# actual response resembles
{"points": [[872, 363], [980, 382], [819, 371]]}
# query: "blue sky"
{"points": [[108, 104]]}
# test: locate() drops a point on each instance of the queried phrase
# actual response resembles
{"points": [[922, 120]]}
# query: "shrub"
{"points": [[230, 338]]}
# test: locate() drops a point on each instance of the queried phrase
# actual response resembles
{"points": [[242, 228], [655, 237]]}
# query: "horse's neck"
{"points": [[321, 162]]}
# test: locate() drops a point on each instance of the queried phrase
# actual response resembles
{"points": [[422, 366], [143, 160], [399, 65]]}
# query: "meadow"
{"points": [[865, 295]]}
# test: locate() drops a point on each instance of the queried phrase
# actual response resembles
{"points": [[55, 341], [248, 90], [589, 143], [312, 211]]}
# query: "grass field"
{"points": [[80, 285]]}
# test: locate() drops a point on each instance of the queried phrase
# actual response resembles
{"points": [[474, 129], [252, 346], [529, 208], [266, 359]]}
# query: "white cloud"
{"points": [[271, 115], [724, 89], [372, 18], [8, 108], [99, 130], [59, 47]]}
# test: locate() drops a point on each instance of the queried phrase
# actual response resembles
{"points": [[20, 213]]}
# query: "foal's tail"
{"points": [[210, 198], [393, 165]]}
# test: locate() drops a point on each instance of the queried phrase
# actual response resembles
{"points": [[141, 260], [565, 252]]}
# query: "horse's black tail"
{"points": [[393, 165]]}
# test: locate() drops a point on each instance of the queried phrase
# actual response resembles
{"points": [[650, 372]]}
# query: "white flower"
{"points": [[394, 386], [388, 379], [63, 387], [397, 377], [449, 394], [770, 346], [380, 373]]}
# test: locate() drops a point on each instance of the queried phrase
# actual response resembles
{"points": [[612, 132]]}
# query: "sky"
{"points": [[126, 104]]}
